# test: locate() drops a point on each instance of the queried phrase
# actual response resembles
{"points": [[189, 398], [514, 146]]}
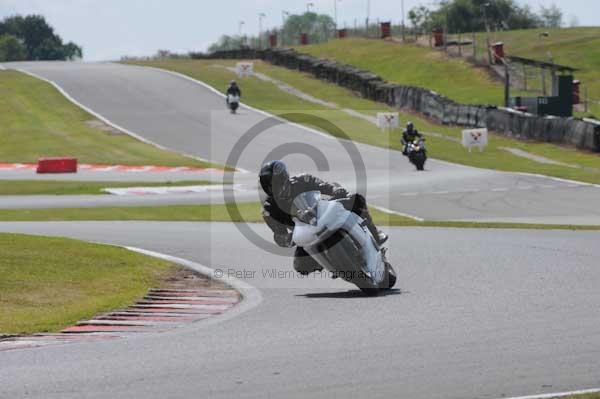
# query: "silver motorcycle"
{"points": [[340, 242]]}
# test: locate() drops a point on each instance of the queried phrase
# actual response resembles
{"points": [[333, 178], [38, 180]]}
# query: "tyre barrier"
{"points": [[583, 134]]}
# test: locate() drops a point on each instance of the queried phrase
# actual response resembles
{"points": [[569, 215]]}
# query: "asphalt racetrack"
{"points": [[182, 115], [477, 313]]}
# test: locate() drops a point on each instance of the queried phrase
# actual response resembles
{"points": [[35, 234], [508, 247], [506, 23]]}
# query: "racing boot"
{"points": [[379, 235]]}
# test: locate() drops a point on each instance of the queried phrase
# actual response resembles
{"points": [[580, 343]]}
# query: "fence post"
{"points": [[506, 85], [459, 44], [587, 99], [474, 46], [489, 51], [446, 40], [543, 73]]}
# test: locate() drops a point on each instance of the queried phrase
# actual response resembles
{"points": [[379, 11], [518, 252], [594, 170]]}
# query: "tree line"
{"points": [[31, 38], [456, 16], [459, 16], [319, 28]]}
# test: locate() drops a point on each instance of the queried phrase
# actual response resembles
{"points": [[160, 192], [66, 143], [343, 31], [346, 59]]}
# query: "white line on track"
{"points": [[410, 194], [406, 215], [496, 190], [108, 121], [557, 395]]}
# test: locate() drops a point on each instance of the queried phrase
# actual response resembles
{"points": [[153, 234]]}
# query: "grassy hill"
{"points": [[443, 141], [409, 64], [576, 47], [456, 78]]}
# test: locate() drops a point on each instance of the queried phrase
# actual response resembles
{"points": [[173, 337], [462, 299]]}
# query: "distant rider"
{"points": [[281, 190], [408, 136], [233, 90]]}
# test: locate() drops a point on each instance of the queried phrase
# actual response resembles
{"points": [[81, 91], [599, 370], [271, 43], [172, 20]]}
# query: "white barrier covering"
{"points": [[167, 190], [244, 69], [388, 120], [475, 138]]}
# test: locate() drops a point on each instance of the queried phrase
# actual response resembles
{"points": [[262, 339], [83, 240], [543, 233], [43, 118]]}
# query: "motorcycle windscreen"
{"points": [[305, 205]]}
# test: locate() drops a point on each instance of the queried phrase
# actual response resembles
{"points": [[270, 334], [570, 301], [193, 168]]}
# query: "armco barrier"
{"points": [[580, 133], [57, 165]]}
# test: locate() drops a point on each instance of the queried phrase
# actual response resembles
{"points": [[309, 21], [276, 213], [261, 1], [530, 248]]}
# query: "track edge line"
{"points": [[557, 394]]}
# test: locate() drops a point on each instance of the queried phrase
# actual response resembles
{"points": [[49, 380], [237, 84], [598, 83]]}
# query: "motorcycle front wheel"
{"points": [[391, 277], [387, 284]]}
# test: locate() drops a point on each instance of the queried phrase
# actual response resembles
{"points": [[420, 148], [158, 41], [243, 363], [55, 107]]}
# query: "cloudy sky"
{"points": [[108, 29]]}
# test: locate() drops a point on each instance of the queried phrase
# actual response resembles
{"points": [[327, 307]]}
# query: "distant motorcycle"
{"points": [[417, 153], [338, 240], [233, 102]]}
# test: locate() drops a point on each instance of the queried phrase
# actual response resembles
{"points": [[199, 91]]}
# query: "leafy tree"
{"points": [[226, 42], [32, 29], [49, 49], [420, 18], [475, 15], [38, 38], [552, 17], [523, 18], [72, 51], [319, 27], [11, 49]]}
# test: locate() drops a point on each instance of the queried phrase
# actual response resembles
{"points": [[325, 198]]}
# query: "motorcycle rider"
{"points": [[408, 136], [233, 90], [281, 189]]}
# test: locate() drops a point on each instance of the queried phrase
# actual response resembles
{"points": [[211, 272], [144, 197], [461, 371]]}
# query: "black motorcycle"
{"points": [[417, 153], [233, 102]]}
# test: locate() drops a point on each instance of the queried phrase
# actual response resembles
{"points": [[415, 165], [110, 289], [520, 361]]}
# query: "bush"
{"points": [[11, 49], [36, 39]]}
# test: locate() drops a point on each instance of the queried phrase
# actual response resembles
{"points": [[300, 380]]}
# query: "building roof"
{"points": [[541, 64]]}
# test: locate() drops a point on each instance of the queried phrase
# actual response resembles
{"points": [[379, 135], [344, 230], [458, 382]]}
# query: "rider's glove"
{"points": [[339, 192], [283, 239]]}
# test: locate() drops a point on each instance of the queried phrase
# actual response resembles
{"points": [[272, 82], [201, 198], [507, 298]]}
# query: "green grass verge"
{"points": [[37, 121], [584, 396], [412, 65], [248, 212], [270, 98], [456, 78], [65, 187], [193, 213], [50, 283]]}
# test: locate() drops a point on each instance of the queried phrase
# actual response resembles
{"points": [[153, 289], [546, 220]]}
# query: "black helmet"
{"points": [[275, 179], [410, 126]]}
